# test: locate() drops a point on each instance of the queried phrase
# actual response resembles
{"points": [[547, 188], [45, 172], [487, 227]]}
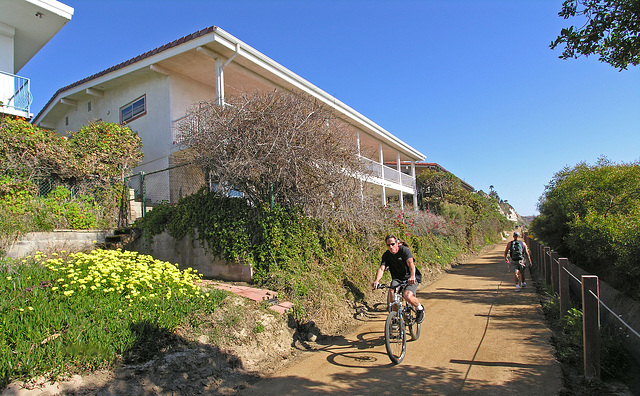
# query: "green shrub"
{"points": [[591, 215], [39, 170]]}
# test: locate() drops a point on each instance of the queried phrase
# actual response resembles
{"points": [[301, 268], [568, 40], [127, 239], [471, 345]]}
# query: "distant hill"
{"points": [[528, 219]]}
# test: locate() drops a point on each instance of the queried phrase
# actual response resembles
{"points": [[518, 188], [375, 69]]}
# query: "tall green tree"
{"points": [[591, 214], [610, 30]]}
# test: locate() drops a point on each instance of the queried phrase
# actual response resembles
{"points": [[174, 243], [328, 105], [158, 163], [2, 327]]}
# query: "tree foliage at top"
{"points": [[282, 146], [611, 31], [591, 214]]}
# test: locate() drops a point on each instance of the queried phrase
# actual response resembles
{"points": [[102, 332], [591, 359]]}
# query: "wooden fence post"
{"points": [[541, 259], [554, 273], [527, 241], [533, 252], [547, 265], [564, 286], [591, 326]]}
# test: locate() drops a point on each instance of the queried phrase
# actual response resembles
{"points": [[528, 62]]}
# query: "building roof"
{"points": [[126, 63], [215, 39]]}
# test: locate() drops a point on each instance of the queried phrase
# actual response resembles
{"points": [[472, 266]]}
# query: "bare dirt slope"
{"points": [[480, 336]]}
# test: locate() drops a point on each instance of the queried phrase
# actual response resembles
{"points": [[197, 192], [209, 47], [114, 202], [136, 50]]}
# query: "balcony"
{"points": [[15, 95], [390, 177]]}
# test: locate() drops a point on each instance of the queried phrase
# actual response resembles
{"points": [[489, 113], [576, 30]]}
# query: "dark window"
{"points": [[133, 110]]}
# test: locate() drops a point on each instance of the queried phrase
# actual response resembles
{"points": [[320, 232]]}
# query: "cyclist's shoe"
{"points": [[394, 326], [419, 315], [523, 285], [517, 287]]}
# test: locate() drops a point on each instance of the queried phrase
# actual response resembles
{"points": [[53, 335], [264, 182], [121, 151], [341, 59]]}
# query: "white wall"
{"points": [[154, 128], [7, 34], [186, 92]]}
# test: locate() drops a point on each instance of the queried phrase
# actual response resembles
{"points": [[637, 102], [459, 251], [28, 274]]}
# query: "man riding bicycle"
{"points": [[400, 263]]}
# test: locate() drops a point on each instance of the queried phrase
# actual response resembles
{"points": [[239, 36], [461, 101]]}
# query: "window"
{"points": [[133, 110], [89, 106], [66, 120]]}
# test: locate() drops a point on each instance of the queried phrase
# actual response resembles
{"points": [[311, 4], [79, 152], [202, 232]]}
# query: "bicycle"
{"points": [[395, 335]]}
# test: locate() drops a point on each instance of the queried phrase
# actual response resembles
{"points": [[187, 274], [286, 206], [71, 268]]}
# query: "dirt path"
{"points": [[480, 336]]}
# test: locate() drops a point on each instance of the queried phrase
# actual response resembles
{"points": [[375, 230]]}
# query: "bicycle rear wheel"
{"points": [[395, 337], [414, 327]]}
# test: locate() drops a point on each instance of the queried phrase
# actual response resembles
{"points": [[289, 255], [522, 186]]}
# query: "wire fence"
{"points": [[148, 189], [619, 317], [553, 269]]}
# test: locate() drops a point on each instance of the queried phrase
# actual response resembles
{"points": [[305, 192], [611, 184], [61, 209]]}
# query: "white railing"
{"points": [[389, 174], [15, 92]]}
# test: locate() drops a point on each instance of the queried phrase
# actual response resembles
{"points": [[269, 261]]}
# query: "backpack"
{"points": [[516, 251]]}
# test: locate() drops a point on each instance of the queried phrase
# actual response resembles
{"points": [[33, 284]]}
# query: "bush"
{"points": [[49, 181], [591, 215]]}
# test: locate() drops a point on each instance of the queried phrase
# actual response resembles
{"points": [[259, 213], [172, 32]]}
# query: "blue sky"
{"points": [[471, 84]]}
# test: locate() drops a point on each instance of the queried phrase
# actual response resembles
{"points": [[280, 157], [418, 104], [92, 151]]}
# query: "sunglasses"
{"points": [[391, 244]]}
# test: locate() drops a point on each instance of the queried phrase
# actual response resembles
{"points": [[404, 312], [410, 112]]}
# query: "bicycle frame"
{"points": [[399, 317]]}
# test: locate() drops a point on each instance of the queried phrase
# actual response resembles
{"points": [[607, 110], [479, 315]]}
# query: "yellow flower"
{"points": [[8, 278], [30, 308], [68, 293], [20, 310]]}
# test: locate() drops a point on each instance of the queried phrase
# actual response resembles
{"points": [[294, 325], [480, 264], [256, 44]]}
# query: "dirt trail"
{"points": [[480, 336]]}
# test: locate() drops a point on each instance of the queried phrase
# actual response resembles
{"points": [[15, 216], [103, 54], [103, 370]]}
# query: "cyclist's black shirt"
{"points": [[397, 264]]}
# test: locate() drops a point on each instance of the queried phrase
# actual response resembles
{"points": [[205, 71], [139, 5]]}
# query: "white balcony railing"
{"points": [[15, 94], [389, 174]]}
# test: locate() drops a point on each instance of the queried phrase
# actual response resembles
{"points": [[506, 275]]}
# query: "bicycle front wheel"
{"points": [[395, 337], [414, 330]]}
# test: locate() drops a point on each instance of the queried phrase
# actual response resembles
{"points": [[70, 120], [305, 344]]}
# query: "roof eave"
{"points": [[217, 35]]}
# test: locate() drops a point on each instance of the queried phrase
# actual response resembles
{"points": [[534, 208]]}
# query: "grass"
{"points": [[73, 312]]}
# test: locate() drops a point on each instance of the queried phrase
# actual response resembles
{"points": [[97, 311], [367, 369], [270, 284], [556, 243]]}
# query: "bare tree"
{"points": [[281, 146]]}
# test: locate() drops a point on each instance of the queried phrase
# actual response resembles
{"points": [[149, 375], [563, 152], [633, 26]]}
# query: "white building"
{"points": [[25, 27], [153, 91]]}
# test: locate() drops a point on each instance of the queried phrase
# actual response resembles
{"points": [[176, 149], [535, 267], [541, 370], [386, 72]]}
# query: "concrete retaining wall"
{"points": [[192, 255], [46, 242]]}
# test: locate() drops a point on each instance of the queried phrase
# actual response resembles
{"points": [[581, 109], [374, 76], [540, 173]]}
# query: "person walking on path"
{"points": [[399, 260], [517, 251]]}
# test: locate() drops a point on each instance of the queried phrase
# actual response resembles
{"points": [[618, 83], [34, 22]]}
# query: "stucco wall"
{"points": [[7, 33]]}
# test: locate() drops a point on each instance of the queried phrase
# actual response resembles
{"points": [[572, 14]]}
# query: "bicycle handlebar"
{"points": [[385, 286]]}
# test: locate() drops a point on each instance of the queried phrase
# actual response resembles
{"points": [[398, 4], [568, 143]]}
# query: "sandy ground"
{"points": [[480, 336]]}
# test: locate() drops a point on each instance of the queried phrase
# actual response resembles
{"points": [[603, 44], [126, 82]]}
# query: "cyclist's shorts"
{"points": [[412, 288]]}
